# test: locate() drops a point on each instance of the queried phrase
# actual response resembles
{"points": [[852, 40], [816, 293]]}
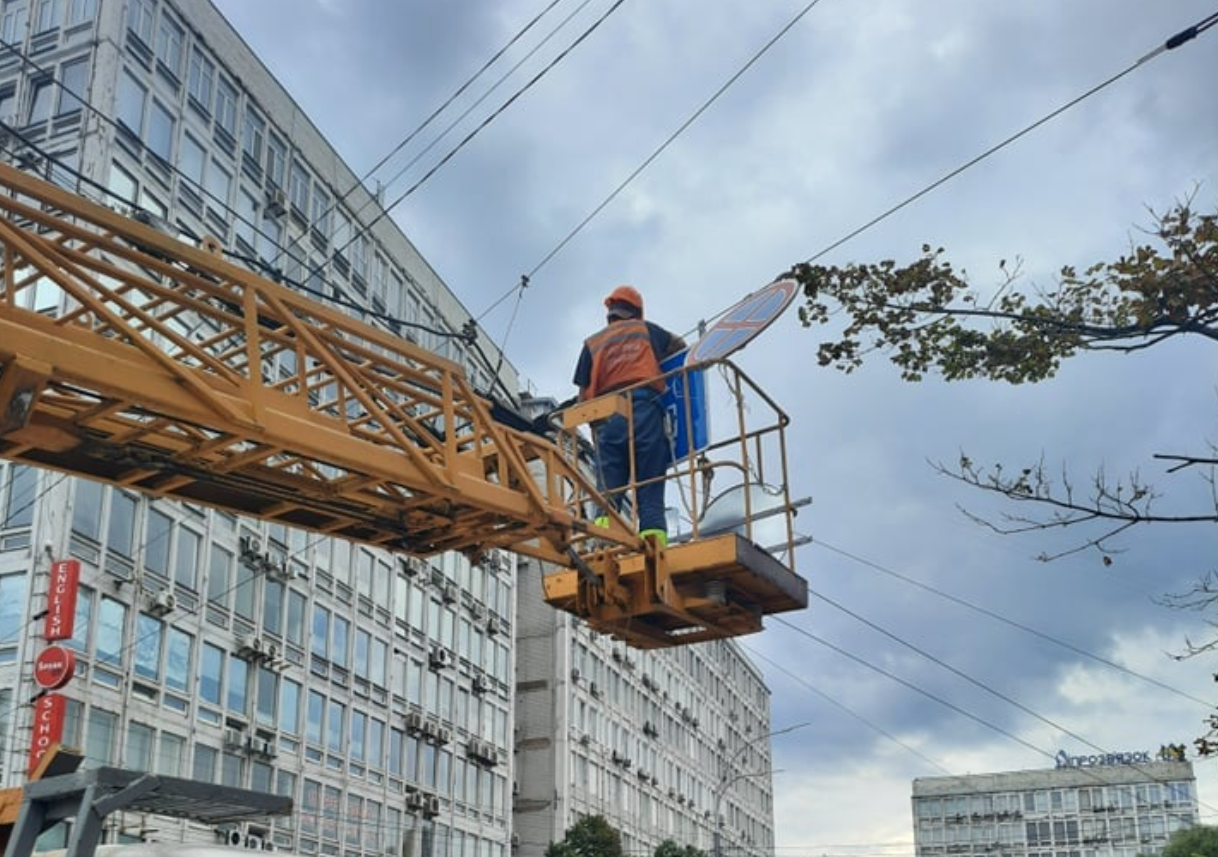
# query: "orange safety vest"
{"points": [[622, 355]]}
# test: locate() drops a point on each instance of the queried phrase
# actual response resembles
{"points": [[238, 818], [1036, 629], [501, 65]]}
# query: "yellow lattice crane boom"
{"points": [[131, 357]]}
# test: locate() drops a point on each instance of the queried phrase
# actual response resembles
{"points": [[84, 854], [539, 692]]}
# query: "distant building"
{"points": [[1119, 805]]}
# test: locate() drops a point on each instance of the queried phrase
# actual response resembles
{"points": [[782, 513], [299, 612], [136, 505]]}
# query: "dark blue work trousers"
{"points": [[652, 455]]}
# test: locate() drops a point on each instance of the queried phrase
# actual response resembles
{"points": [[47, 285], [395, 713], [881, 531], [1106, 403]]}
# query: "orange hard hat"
{"points": [[625, 295]]}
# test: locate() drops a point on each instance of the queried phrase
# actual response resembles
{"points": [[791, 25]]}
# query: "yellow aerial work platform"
{"points": [[133, 358]]}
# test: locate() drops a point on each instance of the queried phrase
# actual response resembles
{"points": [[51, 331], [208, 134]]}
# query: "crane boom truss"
{"points": [[130, 357]]}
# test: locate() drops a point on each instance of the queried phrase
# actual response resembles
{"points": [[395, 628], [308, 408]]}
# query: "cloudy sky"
{"points": [[931, 645]]}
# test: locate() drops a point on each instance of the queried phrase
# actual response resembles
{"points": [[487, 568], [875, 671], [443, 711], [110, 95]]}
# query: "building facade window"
{"points": [[170, 39], [48, 17], [121, 530], [178, 646], [12, 22], [289, 706], [81, 11], [129, 105], [148, 634], [100, 732], [238, 685], [111, 619], [226, 108], [141, 15], [200, 80], [211, 674], [42, 98], [186, 559]]}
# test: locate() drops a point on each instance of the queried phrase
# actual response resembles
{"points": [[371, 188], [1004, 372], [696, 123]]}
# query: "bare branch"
{"points": [[1118, 505]]}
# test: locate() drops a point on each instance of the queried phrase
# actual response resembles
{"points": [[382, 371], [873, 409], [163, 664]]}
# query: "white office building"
{"points": [[395, 700], [660, 743], [1118, 805]]}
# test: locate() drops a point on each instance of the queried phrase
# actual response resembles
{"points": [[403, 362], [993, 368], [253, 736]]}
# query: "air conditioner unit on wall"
{"points": [[414, 801], [249, 646], [276, 202], [162, 603]]}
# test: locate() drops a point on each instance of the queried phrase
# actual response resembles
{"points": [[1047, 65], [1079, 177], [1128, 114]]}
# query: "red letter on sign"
{"points": [[61, 600]]}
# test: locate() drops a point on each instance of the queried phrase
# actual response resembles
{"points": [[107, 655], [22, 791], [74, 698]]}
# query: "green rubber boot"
{"points": [[658, 536]]}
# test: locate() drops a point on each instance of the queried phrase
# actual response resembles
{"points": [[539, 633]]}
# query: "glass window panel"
{"points": [[205, 763], [169, 45], [137, 755], [316, 717], [211, 673], [177, 658], [296, 612], [339, 641], [335, 726], [169, 754], [21, 497], [156, 542], [268, 693], [84, 617], [243, 592], [218, 182], [186, 565], [148, 631], [160, 131], [363, 641], [230, 769], [80, 11], [397, 740], [376, 743], [226, 107], [86, 509], [12, 610], [319, 641], [41, 99], [289, 706], [129, 106], [48, 15], [238, 685], [100, 737], [272, 607], [121, 532], [201, 79], [111, 616], [219, 576], [359, 728]]}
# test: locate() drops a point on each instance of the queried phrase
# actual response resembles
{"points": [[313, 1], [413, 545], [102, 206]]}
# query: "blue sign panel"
{"points": [[685, 404]]}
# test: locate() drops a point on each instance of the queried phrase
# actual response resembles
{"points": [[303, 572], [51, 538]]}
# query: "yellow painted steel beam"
{"points": [[272, 405], [709, 589], [129, 357]]}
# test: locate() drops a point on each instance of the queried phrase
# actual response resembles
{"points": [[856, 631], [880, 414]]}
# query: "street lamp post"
{"points": [[727, 779]]}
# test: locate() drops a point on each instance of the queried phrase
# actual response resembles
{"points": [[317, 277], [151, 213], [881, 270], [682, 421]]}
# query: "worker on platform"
{"points": [[628, 353]]}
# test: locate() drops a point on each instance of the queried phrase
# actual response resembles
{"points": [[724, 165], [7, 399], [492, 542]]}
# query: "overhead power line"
{"points": [[405, 141], [715, 96], [384, 212], [1027, 629], [1175, 41]]}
